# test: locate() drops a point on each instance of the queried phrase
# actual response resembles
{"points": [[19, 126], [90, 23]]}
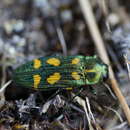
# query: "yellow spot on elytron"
{"points": [[75, 61], [69, 89], [54, 78], [36, 79], [53, 61], [75, 75], [37, 64]]}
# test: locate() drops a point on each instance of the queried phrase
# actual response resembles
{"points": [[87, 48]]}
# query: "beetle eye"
{"points": [[91, 75]]}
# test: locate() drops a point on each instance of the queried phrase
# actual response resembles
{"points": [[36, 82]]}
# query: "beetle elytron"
{"points": [[61, 72]]}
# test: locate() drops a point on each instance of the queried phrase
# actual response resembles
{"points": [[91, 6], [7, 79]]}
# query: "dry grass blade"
{"points": [[121, 126], [62, 40], [116, 112], [90, 20], [127, 64], [2, 90], [83, 104]]}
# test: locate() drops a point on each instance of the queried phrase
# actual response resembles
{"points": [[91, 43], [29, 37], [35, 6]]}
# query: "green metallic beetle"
{"points": [[61, 72]]}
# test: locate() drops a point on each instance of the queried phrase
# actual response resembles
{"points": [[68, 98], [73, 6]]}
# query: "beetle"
{"points": [[50, 72]]}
